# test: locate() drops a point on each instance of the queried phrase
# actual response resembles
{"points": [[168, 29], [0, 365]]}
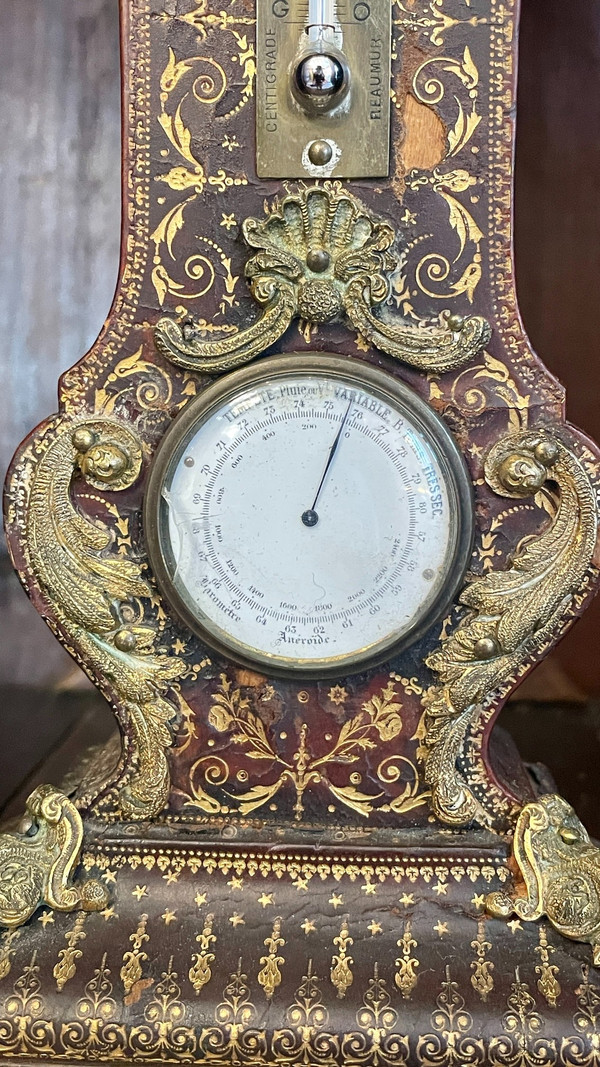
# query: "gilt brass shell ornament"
{"points": [[320, 255]]}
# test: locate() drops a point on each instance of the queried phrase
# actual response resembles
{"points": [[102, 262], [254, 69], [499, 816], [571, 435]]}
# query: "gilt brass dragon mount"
{"points": [[320, 255]]}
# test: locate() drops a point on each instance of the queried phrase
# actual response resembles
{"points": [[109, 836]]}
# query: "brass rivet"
{"points": [[546, 452], [318, 260], [485, 648], [455, 322], [83, 438], [125, 641], [94, 896], [320, 153]]}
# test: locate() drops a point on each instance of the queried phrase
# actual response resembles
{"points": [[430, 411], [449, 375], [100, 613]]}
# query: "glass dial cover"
{"points": [[309, 514]]}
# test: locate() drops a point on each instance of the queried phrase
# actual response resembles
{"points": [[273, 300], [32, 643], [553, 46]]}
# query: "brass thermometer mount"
{"points": [[323, 88]]}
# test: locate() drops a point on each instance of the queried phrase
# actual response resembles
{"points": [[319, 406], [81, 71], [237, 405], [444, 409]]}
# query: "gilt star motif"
{"points": [[338, 694]]}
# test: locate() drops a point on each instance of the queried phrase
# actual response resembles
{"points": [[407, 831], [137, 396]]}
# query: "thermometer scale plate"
{"points": [[358, 131]]}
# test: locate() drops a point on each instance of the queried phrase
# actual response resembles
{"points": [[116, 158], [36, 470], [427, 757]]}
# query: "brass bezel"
{"points": [[353, 371]]}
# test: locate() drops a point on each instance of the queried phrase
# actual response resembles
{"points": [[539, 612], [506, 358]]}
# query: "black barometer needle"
{"points": [[310, 517]]}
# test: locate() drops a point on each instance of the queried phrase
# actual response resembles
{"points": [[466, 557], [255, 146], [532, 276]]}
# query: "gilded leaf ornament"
{"points": [[512, 613], [583, 1048], [200, 972], [376, 1042], [269, 977], [87, 584], [95, 1033], [379, 720], [406, 976], [452, 1044], [320, 255], [522, 1044], [341, 963], [38, 861]]}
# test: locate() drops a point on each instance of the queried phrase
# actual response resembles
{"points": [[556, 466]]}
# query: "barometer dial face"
{"points": [[309, 514]]}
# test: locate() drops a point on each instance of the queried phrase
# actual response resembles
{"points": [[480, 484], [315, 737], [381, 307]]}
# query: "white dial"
{"points": [[309, 514]]}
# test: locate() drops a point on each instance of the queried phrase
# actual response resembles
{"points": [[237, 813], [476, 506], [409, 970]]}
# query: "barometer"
{"points": [[309, 515]]}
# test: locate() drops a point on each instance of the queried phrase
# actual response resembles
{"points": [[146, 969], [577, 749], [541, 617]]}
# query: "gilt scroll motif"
{"points": [[321, 255], [559, 873], [88, 585], [513, 614], [37, 861]]}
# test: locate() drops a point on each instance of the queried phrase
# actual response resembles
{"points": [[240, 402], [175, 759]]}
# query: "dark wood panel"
{"points": [[59, 196], [59, 231], [557, 229]]}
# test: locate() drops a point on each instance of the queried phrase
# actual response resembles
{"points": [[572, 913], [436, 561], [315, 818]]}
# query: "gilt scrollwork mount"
{"points": [[321, 255], [39, 858], [512, 614], [557, 873], [99, 598]]}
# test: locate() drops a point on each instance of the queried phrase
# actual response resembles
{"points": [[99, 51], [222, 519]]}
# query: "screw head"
{"points": [[320, 153]]}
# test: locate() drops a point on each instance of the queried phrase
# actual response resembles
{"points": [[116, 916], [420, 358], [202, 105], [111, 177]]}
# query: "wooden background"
{"points": [[59, 232]]}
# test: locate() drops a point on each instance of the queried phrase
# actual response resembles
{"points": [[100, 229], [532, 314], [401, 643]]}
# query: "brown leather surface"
{"points": [[309, 956]]}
